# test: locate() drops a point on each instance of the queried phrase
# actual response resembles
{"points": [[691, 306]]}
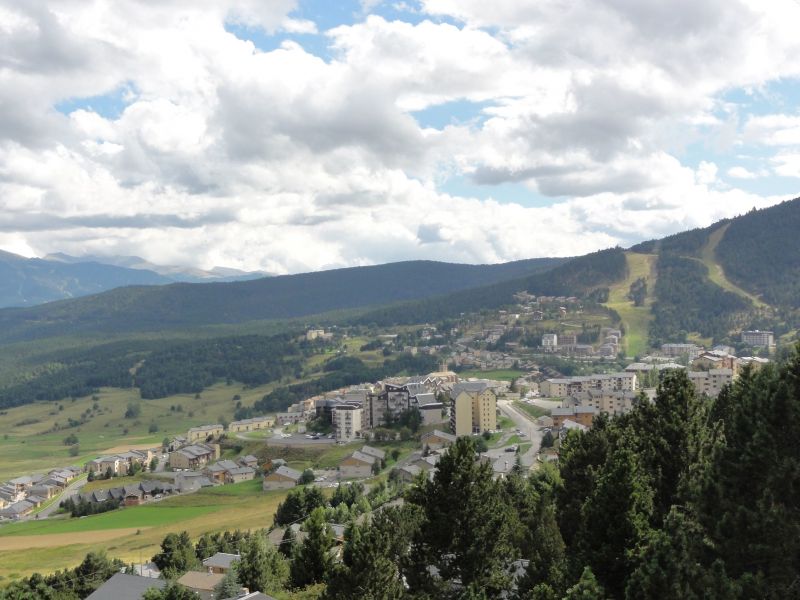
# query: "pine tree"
{"points": [[615, 518], [261, 567], [587, 588], [312, 561], [229, 587], [177, 555], [288, 542], [467, 531]]}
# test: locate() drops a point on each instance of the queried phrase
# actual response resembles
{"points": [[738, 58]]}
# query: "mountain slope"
{"points": [[31, 281], [577, 277], [761, 253], [134, 309], [172, 273]]}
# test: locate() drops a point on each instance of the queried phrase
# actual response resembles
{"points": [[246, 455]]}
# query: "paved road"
{"points": [[69, 491], [527, 426]]}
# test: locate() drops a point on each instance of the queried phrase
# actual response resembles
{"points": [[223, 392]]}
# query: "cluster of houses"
{"points": [[132, 494], [359, 464], [566, 344], [119, 464], [202, 581], [20, 496], [229, 471]]}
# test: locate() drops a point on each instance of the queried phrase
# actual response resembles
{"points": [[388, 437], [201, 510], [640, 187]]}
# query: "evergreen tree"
{"points": [[288, 542], [177, 555], [229, 587], [671, 565], [615, 518], [261, 567], [746, 488], [312, 561], [467, 531], [173, 591], [587, 588], [372, 557]]}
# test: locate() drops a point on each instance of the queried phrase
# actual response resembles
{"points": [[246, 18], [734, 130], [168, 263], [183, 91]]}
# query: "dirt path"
{"points": [[54, 540]]}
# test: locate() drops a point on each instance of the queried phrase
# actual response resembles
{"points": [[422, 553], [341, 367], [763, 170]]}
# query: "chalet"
{"points": [[239, 474], [407, 473], [202, 584], [249, 461], [281, 478], [579, 414], [126, 587], [437, 439], [194, 456], [221, 562], [358, 465]]}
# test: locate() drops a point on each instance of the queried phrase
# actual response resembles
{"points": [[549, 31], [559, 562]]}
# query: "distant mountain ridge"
{"points": [[184, 305], [171, 272], [33, 281]]}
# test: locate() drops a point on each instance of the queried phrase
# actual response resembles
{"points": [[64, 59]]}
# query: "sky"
{"points": [[299, 135]]}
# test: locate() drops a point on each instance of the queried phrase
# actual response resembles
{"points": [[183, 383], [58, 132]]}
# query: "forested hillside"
{"points": [[137, 309], [577, 277], [761, 252], [686, 301], [158, 369]]}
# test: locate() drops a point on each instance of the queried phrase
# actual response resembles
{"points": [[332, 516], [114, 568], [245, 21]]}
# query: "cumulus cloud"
{"points": [[222, 154]]}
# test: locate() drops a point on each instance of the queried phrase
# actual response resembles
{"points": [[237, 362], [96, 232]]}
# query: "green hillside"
{"points": [[183, 305], [761, 253]]}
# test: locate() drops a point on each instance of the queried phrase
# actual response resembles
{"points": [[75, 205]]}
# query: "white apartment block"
{"points": [[550, 342], [764, 339], [348, 422]]}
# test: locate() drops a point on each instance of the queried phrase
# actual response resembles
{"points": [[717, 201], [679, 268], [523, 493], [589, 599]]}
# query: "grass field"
{"points": [[496, 375], [715, 271], [31, 445], [531, 409], [636, 319], [132, 533]]}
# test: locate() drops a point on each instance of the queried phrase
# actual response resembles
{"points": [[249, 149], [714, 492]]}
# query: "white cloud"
{"points": [[287, 162], [787, 164], [740, 172]]}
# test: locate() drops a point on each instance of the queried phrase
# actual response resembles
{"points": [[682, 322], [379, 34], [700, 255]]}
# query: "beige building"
{"points": [[254, 424], [204, 432], [474, 408], [609, 382], [711, 382], [194, 456], [347, 422]]}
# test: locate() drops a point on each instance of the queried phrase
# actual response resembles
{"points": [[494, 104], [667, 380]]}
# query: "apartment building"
{"points": [[474, 408], [610, 382], [550, 342], [711, 382], [762, 339], [348, 421], [205, 432], [254, 424]]}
